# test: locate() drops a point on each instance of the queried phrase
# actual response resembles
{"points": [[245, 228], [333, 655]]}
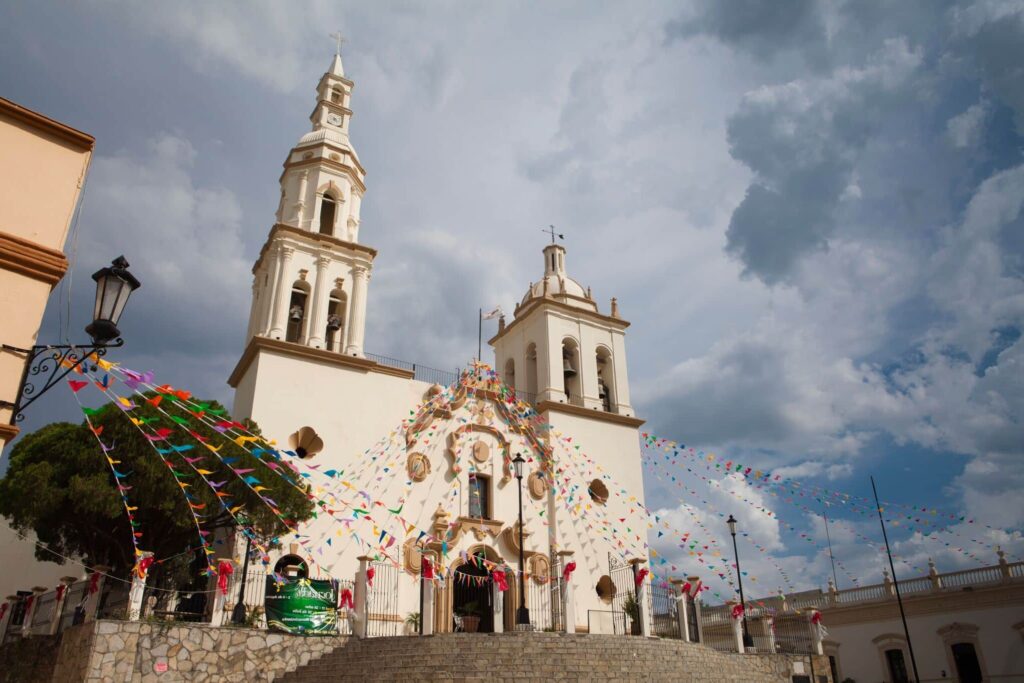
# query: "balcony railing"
{"points": [[422, 373]]}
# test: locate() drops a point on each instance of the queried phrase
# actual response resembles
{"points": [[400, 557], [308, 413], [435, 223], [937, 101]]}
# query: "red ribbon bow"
{"points": [[94, 582], [499, 579], [426, 569], [567, 571], [142, 568], [60, 593], [685, 590], [815, 618], [737, 611], [369, 576], [224, 570], [641, 575], [346, 599], [28, 603]]}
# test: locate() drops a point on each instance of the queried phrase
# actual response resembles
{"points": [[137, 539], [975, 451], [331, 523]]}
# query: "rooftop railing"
{"points": [[423, 373]]}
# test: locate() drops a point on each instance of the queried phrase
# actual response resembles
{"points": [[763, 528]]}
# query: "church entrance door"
{"points": [[473, 594]]}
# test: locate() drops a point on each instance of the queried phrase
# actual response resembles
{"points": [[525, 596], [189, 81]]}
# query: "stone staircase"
{"points": [[543, 656]]}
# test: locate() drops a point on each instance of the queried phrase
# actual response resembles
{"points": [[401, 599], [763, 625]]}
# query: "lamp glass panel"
{"points": [[124, 290]]}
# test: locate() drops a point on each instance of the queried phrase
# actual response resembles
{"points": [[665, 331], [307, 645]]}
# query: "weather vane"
{"points": [[338, 37], [551, 231]]}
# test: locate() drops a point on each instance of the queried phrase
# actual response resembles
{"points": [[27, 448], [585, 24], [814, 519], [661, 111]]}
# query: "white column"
{"points": [[92, 597], [816, 644], [641, 598], [30, 613], [568, 595], [253, 309], [499, 608], [317, 316], [357, 317], [427, 617], [5, 621], [137, 591], [768, 624], [361, 591], [737, 625], [220, 598], [282, 293], [300, 201], [58, 606], [684, 625]]}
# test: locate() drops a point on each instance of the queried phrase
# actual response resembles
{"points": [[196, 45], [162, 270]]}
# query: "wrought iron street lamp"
{"points": [[51, 363], [522, 614], [747, 640], [238, 613]]}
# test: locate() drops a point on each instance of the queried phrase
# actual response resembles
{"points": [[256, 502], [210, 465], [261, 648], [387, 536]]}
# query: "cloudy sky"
{"points": [[811, 212]]}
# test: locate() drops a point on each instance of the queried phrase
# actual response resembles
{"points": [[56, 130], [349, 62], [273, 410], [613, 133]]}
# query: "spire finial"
{"points": [[551, 231], [340, 39]]}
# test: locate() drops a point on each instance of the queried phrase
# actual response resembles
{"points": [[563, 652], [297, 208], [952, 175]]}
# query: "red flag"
{"points": [[76, 385]]}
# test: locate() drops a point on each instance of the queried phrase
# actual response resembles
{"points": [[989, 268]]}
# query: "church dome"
{"points": [[323, 135], [557, 285]]}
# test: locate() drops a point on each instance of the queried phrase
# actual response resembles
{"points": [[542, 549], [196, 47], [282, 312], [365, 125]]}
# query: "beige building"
{"points": [[42, 169]]}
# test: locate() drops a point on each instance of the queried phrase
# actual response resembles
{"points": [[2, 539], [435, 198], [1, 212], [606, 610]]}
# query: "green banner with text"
{"points": [[301, 606]]}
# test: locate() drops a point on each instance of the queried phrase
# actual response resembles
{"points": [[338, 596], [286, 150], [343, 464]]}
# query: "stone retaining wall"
{"points": [[141, 652]]}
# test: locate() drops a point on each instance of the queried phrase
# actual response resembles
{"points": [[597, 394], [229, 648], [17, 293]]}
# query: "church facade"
{"points": [[436, 456]]}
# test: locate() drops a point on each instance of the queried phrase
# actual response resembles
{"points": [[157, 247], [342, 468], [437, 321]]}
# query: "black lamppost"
{"points": [[522, 614], [114, 284], [238, 613], [747, 640]]}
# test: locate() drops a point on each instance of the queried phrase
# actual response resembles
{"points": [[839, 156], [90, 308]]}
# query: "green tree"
{"points": [[59, 485]]}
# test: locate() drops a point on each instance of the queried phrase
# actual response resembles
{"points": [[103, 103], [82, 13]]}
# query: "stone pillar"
{"points": [[357, 319], [641, 597], [138, 589], [220, 598], [833, 593], [30, 613], [5, 621], [282, 294], [737, 625], [768, 624], [499, 608], [684, 626], [253, 309], [299, 205], [816, 646], [427, 615], [694, 604], [58, 606], [568, 595], [92, 597], [317, 316], [361, 591]]}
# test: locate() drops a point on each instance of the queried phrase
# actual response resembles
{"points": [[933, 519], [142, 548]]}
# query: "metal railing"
{"points": [[422, 373], [664, 611]]}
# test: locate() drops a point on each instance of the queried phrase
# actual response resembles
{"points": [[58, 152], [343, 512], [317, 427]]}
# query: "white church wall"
{"points": [[1000, 646]]}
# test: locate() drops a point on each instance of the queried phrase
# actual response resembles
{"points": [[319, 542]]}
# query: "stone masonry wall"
{"points": [[137, 651]]}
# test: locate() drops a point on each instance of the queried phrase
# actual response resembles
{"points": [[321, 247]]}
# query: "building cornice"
{"points": [[27, 258], [301, 352], [315, 239], [40, 122], [541, 303], [340, 166], [938, 602], [591, 413], [8, 432]]}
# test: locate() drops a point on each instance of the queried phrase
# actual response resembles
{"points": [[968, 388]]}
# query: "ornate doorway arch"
{"points": [[444, 606]]}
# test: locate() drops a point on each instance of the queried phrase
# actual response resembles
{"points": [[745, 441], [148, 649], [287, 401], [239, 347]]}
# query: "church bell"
{"points": [[295, 314], [567, 368]]}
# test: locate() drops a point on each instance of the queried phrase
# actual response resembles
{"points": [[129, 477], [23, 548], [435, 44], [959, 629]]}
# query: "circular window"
{"points": [[598, 492], [605, 588]]}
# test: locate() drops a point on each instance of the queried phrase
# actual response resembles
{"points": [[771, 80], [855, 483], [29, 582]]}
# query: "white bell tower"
{"points": [[311, 277]]}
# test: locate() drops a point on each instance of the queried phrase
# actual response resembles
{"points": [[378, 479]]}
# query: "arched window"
{"points": [[296, 312], [335, 334], [336, 96], [531, 373], [328, 210], [571, 371], [606, 379], [510, 373]]}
